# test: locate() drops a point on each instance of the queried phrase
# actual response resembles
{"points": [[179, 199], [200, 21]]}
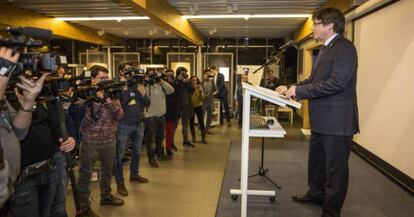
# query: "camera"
{"points": [[21, 39]]}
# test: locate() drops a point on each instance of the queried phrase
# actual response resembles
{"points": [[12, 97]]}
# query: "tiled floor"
{"points": [[187, 186]]}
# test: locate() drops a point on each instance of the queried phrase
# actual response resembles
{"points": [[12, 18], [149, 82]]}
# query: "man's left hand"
{"points": [[291, 92], [67, 145]]}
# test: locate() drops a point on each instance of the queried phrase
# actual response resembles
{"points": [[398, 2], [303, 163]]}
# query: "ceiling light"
{"points": [[191, 10], [102, 18], [101, 32], [150, 32], [126, 32], [229, 9], [235, 7], [155, 30], [245, 16], [211, 32], [167, 32], [214, 29]]}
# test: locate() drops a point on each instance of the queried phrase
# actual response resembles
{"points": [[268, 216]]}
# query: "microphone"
{"points": [[286, 45], [31, 32]]}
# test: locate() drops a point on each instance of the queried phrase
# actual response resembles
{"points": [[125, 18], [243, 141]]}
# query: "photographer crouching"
{"points": [[157, 90], [131, 126], [98, 130], [13, 125]]}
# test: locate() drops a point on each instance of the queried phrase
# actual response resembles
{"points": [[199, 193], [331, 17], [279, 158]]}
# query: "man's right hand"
{"points": [[281, 89], [31, 89], [100, 94], [7, 53], [141, 89]]}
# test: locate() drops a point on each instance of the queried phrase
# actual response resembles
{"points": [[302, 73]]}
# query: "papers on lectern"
{"points": [[261, 91]]}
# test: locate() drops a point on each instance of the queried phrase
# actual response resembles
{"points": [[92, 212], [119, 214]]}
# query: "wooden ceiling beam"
{"points": [[166, 16], [16, 17]]}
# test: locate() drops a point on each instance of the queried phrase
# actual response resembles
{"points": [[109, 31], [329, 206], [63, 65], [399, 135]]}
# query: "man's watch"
{"points": [[28, 110]]}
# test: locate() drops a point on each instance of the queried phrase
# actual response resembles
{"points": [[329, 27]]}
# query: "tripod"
{"points": [[262, 171], [68, 156]]}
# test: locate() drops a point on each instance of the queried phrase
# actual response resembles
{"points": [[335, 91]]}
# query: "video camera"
{"points": [[112, 90], [21, 38]]}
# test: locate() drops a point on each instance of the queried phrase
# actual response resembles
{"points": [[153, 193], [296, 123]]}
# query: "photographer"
{"points": [[39, 176], [98, 130], [184, 91], [156, 90], [13, 130], [173, 115], [131, 126]]}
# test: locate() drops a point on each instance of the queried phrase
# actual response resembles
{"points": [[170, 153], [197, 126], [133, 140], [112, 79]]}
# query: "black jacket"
{"points": [[41, 141], [331, 90], [133, 104]]}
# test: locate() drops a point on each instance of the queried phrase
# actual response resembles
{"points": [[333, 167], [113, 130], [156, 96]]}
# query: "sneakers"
{"points": [[153, 163], [164, 157], [188, 144], [174, 147], [138, 178], [112, 201], [87, 213], [122, 190], [169, 152]]}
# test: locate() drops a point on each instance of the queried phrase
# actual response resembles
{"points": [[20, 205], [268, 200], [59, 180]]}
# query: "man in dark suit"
{"points": [[333, 112], [222, 94]]}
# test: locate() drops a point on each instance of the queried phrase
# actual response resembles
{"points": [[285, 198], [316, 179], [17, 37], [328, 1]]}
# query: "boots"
{"points": [[203, 138], [193, 136]]}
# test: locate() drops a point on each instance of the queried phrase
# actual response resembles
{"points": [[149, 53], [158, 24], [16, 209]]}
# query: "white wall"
{"points": [[385, 87]]}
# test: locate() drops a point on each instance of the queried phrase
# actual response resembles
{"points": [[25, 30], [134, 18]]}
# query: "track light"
{"points": [[101, 32], [126, 32], [229, 9], [167, 32]]}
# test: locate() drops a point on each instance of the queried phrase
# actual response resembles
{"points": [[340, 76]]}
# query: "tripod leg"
{"points": [[71, 175]]}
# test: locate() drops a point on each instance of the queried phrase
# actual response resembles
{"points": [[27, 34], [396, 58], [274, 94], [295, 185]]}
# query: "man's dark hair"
{"points": [[95, 69], [180, 70], [122, 67], [213, 67], [169, 70], [331, 15]]}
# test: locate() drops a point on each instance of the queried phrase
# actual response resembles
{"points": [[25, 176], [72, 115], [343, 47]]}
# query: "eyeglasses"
{"points": [[317, 23]]}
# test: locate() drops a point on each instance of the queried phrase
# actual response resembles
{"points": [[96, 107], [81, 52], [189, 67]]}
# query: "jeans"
{"points": [[33, 197], [58, 206], [169, 134], [185, 119], [198, 111], [208, 108], [135, 132], [155, 128], [88, 153]]}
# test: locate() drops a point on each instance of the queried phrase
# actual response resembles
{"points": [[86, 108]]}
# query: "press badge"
{"points": [[132, 102]]}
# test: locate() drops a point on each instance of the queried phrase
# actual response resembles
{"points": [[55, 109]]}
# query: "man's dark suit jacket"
{"points": [[331, 90], [221, 86]]}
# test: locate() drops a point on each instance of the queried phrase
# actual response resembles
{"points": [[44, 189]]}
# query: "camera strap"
{"points": [[5, 120], [7, 67]]}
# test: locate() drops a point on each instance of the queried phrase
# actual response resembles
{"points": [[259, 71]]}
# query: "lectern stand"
{"points": [[275, 131]]}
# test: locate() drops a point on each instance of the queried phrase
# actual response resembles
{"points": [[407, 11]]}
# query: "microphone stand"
{"points": [[276, 56]]}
